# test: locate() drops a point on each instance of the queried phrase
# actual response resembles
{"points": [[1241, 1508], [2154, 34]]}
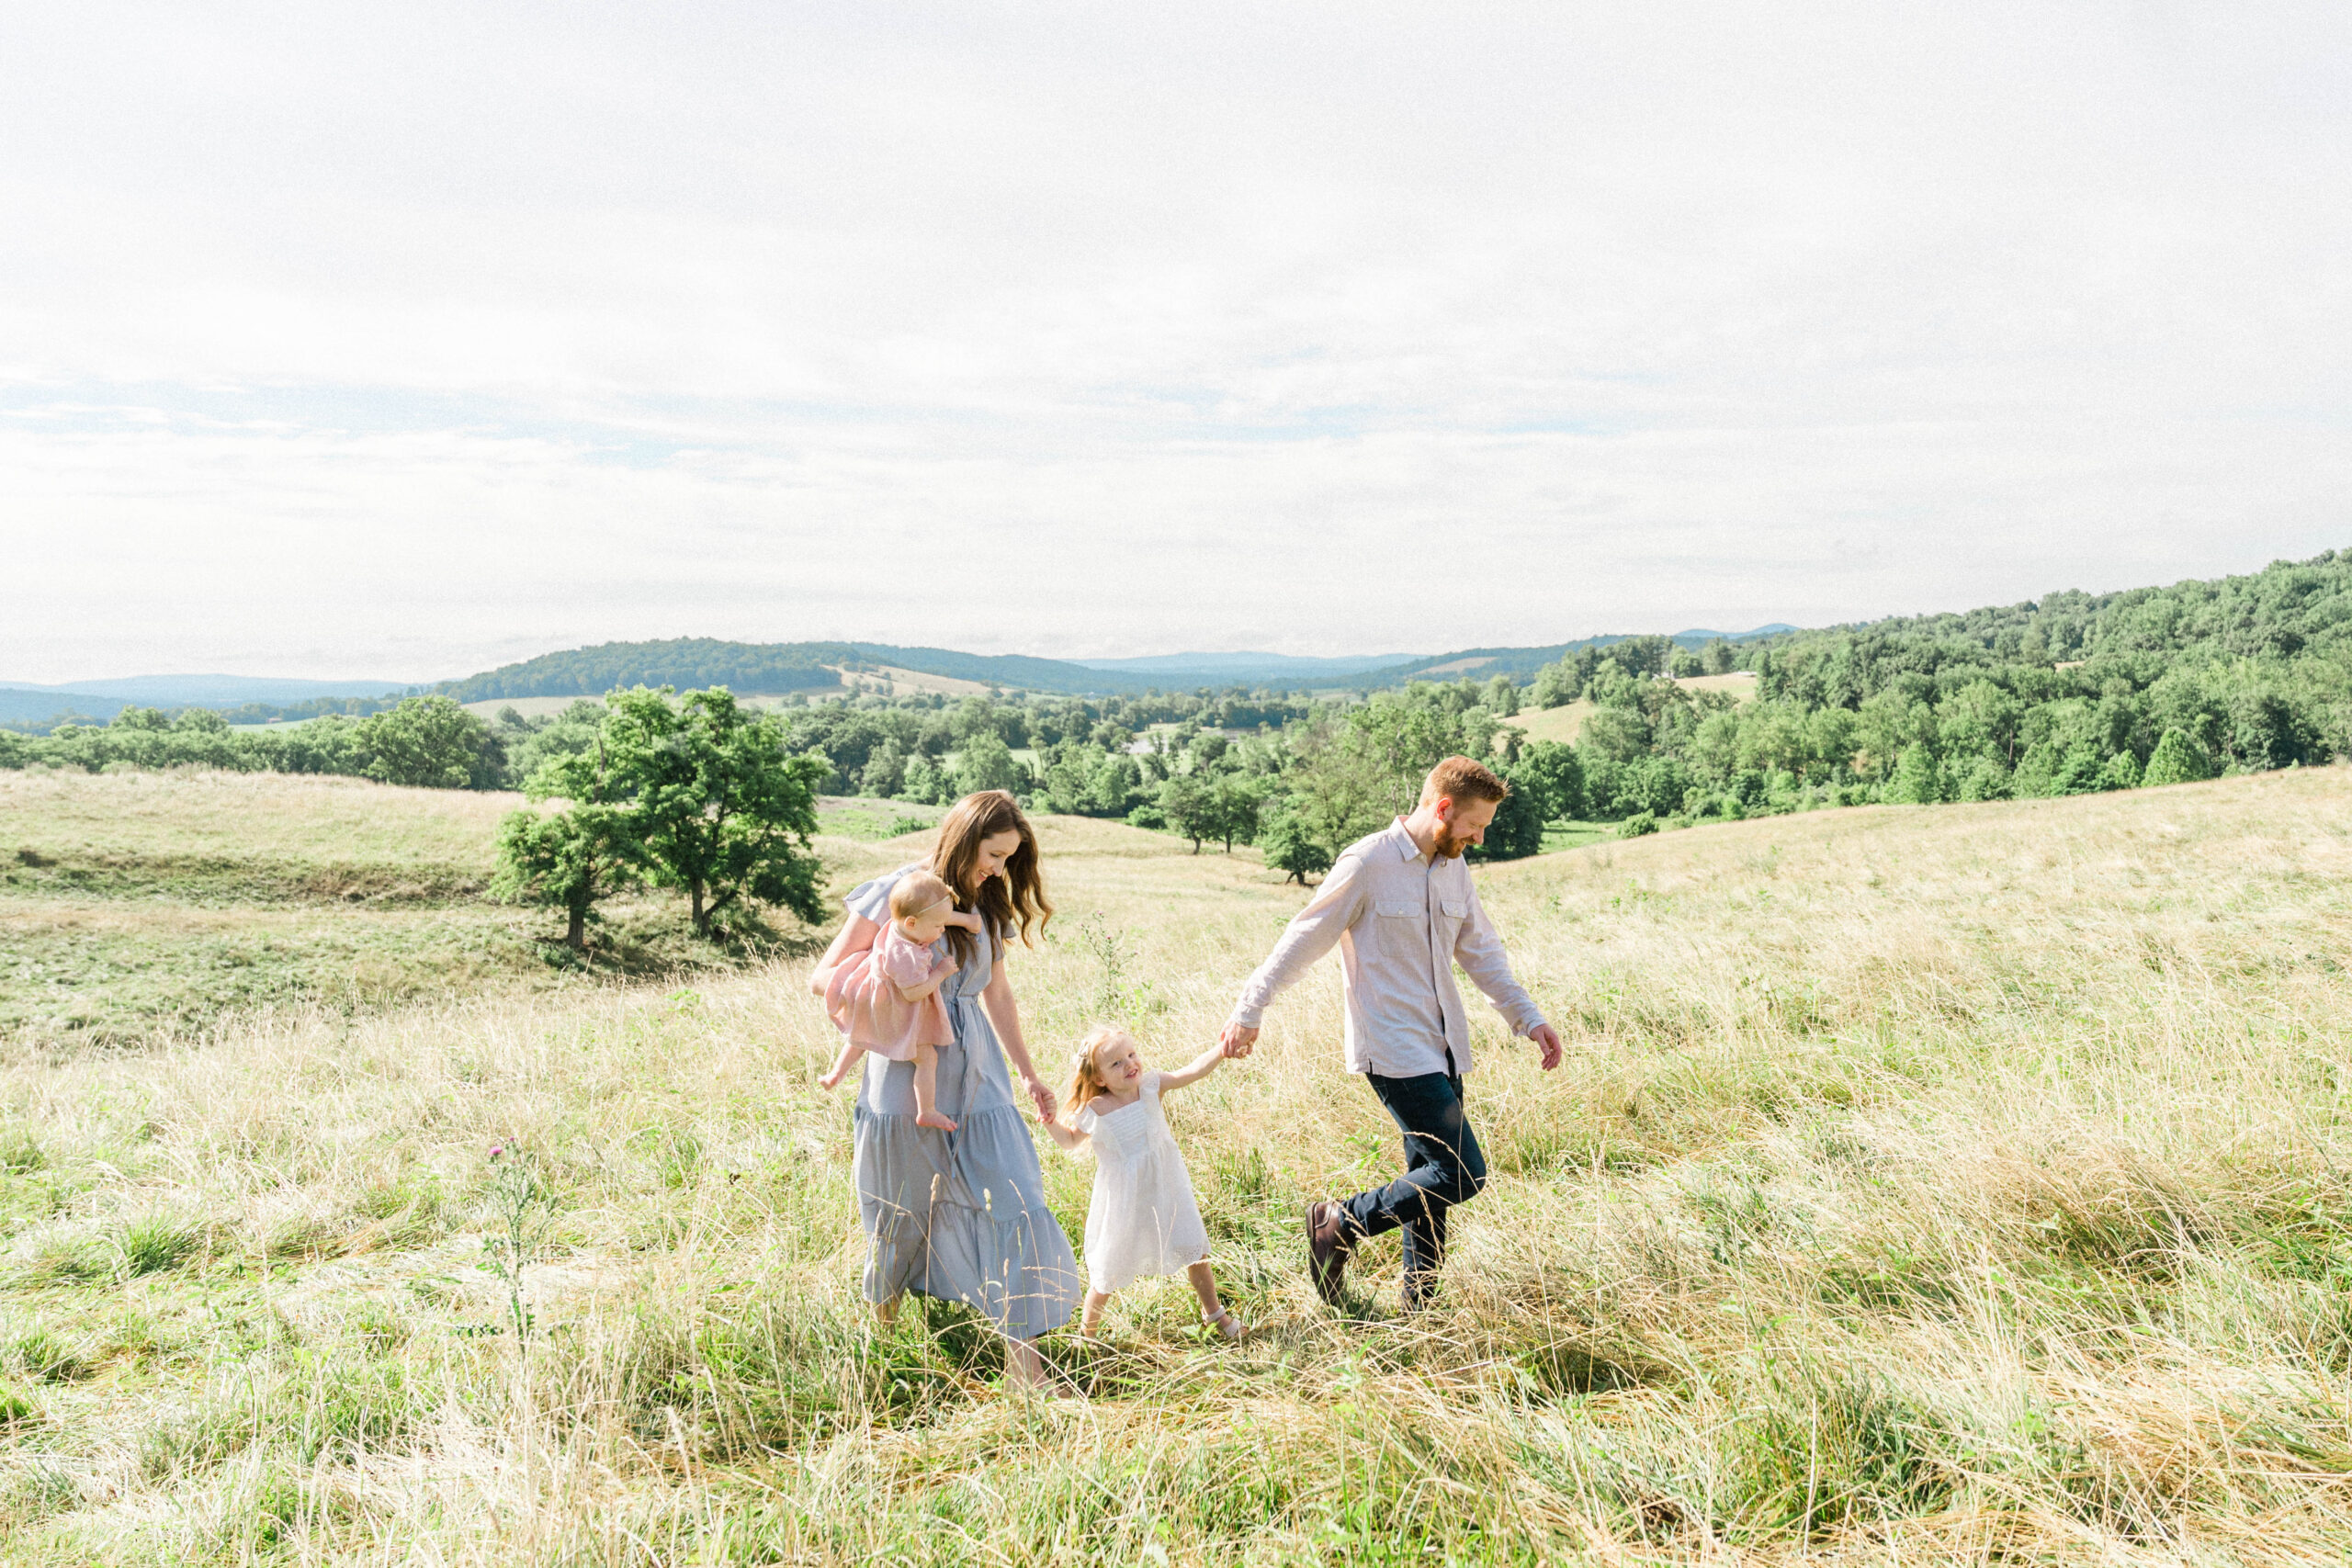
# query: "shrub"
{"points": [[1987, 780], [1917, 780], [2175, 760]]}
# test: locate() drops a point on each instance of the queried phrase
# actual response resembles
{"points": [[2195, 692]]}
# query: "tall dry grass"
{"points": [[1937, 1185]]}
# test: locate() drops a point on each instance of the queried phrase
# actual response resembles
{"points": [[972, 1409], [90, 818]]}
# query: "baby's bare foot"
{"points": [[933, 1119]]}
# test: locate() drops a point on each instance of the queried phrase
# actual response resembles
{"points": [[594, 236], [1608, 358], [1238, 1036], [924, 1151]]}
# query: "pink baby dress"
{"points": [[863, 998]]}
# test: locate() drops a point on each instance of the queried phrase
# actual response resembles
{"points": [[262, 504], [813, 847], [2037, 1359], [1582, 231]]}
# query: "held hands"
{"points": [[1237, 1039], [1043, 1096]]}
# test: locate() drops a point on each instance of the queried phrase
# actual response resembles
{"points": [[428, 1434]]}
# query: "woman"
{"points": [[962, 1215]]}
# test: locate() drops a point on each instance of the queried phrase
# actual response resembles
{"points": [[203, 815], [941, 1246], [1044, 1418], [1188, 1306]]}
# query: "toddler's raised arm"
{"points": [[1201, 1067]]}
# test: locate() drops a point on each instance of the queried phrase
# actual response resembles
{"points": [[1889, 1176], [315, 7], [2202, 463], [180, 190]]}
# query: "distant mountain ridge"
{"points": [[40, 704], [216, 691], [1519, 663], [774, 669], [1246, 666]]}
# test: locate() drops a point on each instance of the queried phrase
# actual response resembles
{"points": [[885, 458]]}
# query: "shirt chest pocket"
{"points": [[1447, 917], [1401, 926]]}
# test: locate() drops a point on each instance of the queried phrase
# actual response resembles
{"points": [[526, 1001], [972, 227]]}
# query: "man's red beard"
{"points": [[1448, 846]]}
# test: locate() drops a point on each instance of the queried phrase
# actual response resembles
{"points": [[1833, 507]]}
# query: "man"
{"points": [[1400, 907]]}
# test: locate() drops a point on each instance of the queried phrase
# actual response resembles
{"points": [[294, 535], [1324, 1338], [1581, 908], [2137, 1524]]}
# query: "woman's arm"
{"points": [[1005, 1013], [1203, 1066], [855, 937]]}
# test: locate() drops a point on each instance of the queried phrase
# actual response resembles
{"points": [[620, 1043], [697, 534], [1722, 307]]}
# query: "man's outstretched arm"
{"points": [[1312, 932], [1479, 948]]}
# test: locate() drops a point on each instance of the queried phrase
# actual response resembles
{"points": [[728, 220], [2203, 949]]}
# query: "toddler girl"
{"points": [[886, 999], [1143, 1220]]}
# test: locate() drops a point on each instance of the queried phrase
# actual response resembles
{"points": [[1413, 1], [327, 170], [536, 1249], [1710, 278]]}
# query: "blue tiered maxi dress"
{"points": [[959, 1216]]}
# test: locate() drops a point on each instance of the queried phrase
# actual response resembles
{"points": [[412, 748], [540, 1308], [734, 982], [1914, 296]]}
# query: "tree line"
{"points": [[2067, 695]]}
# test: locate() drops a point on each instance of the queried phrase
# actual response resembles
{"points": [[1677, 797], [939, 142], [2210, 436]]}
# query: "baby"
{"points": [[886, 999], [1143, 1219]]}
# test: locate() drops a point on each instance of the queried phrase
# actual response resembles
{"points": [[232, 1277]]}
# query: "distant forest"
{"points": [[2067, 695]]}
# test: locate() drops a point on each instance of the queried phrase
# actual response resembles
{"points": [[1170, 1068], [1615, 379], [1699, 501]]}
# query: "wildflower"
{"points": [[497, 1149]]}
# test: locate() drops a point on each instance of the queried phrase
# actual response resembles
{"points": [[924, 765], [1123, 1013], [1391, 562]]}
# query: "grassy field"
{"points": [[1959, 1184], [140, 906], [1566, 723]]}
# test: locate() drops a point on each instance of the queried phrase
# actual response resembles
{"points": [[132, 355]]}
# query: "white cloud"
{"points": [[398, 341]]}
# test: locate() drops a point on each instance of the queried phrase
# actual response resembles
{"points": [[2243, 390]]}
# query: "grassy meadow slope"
{"points": [[135, 906], [1927, 1184]]}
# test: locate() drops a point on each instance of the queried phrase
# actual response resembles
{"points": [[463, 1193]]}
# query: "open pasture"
{"points": [[1924, 1184], [138, 906], [1566, 723]]}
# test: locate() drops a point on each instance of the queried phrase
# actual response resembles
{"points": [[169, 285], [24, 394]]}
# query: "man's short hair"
{"points": [[1460, 780]]}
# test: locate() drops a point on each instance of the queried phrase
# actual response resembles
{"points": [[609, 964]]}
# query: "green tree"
{"points": [[885, 773], [1554, 776], [1986, 780], [2175, 760], [924, 783], [2037, 773], [2079, 772], [1290, 845], [427, 741], [1189, 807], [1359, 771], [985, 762], [1917, 780], [1235, 801], [1517, 831], [1557, 685], [1502, 697], [717, 807], [572, 858]]}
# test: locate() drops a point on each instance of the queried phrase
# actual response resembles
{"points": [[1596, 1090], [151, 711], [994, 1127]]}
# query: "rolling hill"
{"points": [[1925, 1184]]}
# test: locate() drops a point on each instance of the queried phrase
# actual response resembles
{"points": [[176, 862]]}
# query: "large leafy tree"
{"points": [[1554, 776], [1290, 846], [1517, 831], [1188, 806], [572, 858], [1235, 801], [718, 805], [428, 741], [1366, 768], [985, 762]]}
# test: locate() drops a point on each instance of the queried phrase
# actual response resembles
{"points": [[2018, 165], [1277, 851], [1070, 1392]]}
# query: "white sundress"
{"points": [[1142, 1220]]}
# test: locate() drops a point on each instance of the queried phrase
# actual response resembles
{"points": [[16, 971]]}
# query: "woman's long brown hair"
{"points": [[1006, 903]]}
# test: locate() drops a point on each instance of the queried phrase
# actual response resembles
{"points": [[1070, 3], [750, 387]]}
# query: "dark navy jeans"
{"points": [[1443, 1168]]}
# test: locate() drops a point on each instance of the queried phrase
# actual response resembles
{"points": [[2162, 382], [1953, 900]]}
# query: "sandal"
{"points": [[1227, 1324]]}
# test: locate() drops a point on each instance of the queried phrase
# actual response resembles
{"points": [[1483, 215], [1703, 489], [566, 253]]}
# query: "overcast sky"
{"points": [[402, 340]]}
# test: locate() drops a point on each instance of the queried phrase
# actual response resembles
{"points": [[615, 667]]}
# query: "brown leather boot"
{"points": [[1326, 1248]]}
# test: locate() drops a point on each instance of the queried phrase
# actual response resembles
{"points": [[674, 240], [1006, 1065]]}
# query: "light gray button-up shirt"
{"points": [[1401, 921]]}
